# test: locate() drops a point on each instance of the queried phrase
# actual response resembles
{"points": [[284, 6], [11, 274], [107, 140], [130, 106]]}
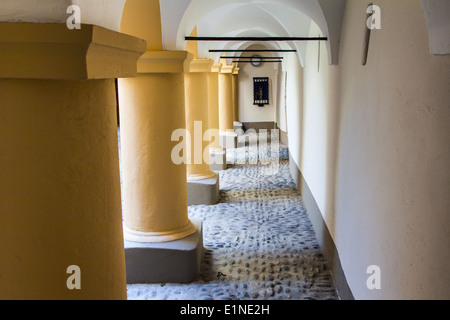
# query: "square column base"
{"points": [[228, 141], [238, 128], [205, 191], [218, 160], [167, 262]]}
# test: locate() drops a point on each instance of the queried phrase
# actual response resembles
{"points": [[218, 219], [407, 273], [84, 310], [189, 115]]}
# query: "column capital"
{"points": [[216, 67], [236, 70], [201, 65], [165, 62], [227, 68], [52, 51]]}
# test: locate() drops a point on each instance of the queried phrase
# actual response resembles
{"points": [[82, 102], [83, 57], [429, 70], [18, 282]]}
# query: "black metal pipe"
{"points": [[255, 38], [251, 50], [262, 58], [265, 61]]}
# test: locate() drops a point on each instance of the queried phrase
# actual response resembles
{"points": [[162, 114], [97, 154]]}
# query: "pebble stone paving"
{"points": [[259, 243]]}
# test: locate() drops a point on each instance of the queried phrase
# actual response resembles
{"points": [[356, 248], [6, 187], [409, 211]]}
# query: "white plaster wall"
{"points": [[247, 111], [34, 10], [281, 100], [312, 103], [103, 13], [294, 108], [314, 137], [436, 16], [372, 144], [393, 181]]}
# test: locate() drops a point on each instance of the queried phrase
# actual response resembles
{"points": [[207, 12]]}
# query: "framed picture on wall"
{"points": [[260, 91]]}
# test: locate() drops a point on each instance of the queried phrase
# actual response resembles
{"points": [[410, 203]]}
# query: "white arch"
{"points": [[269, 44], [180, 16], [244, 25]]}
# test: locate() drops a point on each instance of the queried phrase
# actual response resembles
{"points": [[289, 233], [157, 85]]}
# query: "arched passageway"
{"points": [[367, 144]]}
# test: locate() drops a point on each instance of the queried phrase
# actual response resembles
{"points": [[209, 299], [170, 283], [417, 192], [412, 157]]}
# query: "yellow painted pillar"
{"points": [[60, 204], [226, 125], [225, 99], [152, 121], [213, 103], [235, 88], [154, 187], [197, 123], [218, 159], [151, 108]]}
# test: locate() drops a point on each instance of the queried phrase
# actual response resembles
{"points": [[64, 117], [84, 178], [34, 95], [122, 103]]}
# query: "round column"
{"points": [[225, 102], [154, 187], [196, 95], [235, 89], [213, 104], [60, 205], [226, 112]]}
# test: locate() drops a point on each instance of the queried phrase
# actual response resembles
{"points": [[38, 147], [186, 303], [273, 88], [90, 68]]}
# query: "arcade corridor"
{"points": [[354, 205]]}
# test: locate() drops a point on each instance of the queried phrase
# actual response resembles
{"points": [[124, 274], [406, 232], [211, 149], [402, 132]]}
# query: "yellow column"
{"points": [[155, 188], [226, 125], [225, 99], [151, 108], [235, 88], [152, 115], [196, 95], [60, 203], [213, 103]]}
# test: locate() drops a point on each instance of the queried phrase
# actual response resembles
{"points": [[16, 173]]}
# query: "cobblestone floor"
{"points": [[258, 241]]}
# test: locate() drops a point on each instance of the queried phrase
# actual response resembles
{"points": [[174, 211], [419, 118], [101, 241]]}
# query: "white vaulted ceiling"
{"points": [[260, 18]]}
